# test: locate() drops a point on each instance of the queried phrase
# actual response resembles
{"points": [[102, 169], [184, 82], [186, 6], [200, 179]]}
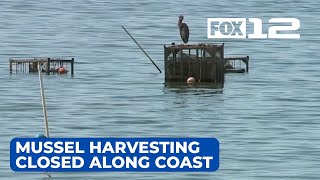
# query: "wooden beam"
{"points": [[247, 64], [48, 66], [10, 66], [72, 66], [236, 58]]}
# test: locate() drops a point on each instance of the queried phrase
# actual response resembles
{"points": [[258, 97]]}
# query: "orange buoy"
{"points": [[62, 70], [191, 80]]}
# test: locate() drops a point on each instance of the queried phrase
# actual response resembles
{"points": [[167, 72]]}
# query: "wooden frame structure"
{"points": [[234, 64], [204, 62], [30, 65]]}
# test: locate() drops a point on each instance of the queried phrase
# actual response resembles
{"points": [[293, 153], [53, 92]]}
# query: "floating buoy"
{"points": [[62, 70], [40, 136], [191, 80]]}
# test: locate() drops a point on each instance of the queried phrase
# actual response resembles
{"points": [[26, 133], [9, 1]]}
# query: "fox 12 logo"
{"points": [[237, 28]]}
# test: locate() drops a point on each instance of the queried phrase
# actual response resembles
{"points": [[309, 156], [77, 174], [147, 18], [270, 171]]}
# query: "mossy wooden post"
{"points": [[10, 67], [48, 66], [72, 61]]}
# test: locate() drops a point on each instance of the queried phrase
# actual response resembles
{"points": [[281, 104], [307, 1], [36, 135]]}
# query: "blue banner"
{"points": [[114, 154]]}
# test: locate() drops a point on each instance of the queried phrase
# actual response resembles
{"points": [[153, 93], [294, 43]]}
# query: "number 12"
{"points": [[257, 32]]}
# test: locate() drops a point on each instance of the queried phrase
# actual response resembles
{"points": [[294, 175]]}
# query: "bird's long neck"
{"points": [[179, 22]]}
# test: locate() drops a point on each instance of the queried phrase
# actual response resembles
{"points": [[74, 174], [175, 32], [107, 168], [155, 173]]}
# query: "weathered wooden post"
{"points": [[247, 64], [222, 55], [165, 54], [48, 66], [72, 61], [181, 64], [10, 67]]}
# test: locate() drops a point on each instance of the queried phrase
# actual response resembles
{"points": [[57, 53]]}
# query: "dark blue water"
{"points": [[267, 121]]}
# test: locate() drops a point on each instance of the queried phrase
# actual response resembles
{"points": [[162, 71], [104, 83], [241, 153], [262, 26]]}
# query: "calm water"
{"points": [[267, 121]]}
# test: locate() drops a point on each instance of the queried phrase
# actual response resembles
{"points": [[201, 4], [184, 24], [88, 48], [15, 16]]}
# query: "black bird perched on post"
{"points": [[184, 30]]}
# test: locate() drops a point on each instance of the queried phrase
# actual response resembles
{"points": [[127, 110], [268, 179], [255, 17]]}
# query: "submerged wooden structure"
{"points": [[236, 64], [49, 65], [205, 62]]}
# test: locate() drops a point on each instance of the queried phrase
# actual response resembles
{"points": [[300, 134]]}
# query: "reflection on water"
{"points": [[194, 89]]}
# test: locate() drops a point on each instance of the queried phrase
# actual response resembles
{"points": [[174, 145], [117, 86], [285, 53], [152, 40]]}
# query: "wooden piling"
{"points": [[48, 66], [72, 66], [10, 66], [247, 64]]}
